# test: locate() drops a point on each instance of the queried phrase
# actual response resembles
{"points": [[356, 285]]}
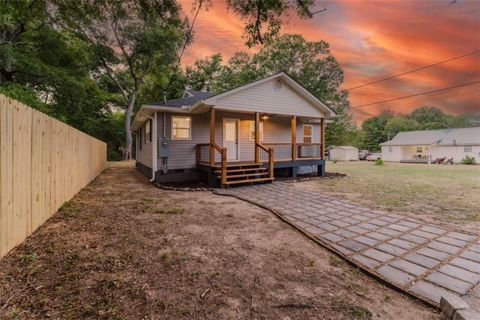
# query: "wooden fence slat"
{"points": [[43, 164]]}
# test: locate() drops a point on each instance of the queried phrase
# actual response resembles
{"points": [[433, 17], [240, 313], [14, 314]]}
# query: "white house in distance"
{"points": [[343, 153], [427, 145]]}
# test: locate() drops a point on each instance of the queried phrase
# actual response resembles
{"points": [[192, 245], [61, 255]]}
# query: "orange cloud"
{"points": [[372, 40]]}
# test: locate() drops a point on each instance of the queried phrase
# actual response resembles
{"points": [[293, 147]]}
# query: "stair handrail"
{"points": [[270, 157], [223, 162]]}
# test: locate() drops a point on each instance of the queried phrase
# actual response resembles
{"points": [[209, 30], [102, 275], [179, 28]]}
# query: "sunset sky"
{"points": [[372, 40]]}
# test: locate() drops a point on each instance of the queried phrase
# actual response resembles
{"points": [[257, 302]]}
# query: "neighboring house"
{"points": [[428, 145], [343, 153], [244, 135]]}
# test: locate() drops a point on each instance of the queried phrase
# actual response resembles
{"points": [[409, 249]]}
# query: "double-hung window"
{"points": [[251, 135], [307, 133], [148, 131], [181, 128]]}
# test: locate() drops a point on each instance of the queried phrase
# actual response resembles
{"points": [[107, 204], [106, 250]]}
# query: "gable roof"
{"points": [[445, 137], [190, 98], [297, 87]]}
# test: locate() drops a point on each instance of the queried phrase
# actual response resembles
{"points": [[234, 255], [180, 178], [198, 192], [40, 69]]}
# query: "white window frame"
{"points": [[311, 133], [417, 148], [390, 149], [251, 130], [467, 149], [189, 128], [148, 134]]}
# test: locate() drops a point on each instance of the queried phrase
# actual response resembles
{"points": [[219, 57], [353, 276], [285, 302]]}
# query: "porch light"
{"points": [[264, 117]]}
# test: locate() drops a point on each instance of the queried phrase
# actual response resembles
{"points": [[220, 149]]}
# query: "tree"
{"points": [[264, 17], [429, 118], [374, 131], [398, 124], [309, 63], [135, 41]]}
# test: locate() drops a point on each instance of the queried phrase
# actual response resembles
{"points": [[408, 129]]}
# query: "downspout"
{"points": [[154, 143]]}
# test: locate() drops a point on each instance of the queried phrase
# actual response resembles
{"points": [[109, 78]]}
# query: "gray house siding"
{"points": [[182, 152], [144, 156]]}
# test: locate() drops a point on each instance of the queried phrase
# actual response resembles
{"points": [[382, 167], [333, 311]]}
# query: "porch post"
{"points": [[293, 125], [322, 138], [257, 136], [212, 137]]}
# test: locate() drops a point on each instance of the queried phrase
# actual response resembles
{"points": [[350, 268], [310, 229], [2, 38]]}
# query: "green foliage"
{"points": [[263, 18], [468, 160], [379, 162], [374, 131], [309, 63]]}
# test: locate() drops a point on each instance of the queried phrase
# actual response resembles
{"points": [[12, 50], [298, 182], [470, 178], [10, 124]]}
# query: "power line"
{"points": [[417, 94], [414, 70]]}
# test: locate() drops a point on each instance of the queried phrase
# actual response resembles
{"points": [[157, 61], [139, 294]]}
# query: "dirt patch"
{"points": [[124, 249]]}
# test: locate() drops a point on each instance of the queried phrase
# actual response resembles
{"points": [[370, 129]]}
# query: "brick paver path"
{"points": [[421, 258]]}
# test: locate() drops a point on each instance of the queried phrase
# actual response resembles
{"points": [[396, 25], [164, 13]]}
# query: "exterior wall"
{"points": [[396, 153], [455, 152], [266, 98], [143, 156], [343, 155], [182, 152], [408, 152]]}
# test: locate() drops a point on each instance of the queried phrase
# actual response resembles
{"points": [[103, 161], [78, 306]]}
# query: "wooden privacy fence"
{"points": [[43, 164]]}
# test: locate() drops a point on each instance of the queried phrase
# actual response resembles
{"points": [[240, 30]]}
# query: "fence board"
{"points": [[43, 164]]}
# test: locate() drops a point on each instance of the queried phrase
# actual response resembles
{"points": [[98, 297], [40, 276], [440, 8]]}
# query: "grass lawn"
{"points": [[440, 192]]}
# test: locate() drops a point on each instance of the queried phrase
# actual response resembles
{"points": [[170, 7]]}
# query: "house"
{"points": [[343, 153], [248, 134], [427, 145]]}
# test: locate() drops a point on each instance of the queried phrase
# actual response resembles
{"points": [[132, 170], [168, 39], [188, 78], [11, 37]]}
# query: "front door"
{"points": [[230, 138]]}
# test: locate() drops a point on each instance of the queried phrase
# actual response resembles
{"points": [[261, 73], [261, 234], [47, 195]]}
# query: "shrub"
{"points": [[468, 160], [379, 162]]}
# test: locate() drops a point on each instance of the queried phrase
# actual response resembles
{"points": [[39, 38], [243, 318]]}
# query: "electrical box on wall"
{"points": [[163, 148]]}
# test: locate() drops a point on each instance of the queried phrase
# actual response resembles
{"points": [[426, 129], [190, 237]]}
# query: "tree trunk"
{"points": [[127, 154]]}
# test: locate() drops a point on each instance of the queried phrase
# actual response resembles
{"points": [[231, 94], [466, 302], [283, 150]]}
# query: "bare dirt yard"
{"points": [[445, 194], [123, 249]]}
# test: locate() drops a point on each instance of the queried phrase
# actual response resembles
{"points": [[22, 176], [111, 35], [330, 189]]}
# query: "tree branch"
{"points": [[112, 77]]}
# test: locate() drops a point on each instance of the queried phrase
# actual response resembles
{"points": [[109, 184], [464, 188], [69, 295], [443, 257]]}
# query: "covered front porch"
{"points": [[258, 146], [416, 154]]}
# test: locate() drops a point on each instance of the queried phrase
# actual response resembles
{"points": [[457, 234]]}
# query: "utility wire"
{"points": [[417, 94], [411, 71]]}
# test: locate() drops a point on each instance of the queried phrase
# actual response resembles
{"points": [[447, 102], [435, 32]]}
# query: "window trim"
{"points": [[469, 149], [417, 148], [148, 135], [390, 149], [311, 133], [251, 126], [189, 128]]}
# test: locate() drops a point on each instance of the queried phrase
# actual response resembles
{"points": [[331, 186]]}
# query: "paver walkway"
{"points": [[421, 258]]}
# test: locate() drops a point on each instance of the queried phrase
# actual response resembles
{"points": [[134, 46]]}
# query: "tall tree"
{"points": [[309, 63], [374, 131], [264, 17], [133, 41]]}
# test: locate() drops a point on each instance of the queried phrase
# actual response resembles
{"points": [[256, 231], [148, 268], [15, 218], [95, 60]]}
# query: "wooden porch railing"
{"points": [[271, 157], [205, 153], [283, 151]]}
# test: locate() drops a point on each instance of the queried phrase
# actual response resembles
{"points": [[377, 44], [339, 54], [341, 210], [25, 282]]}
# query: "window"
{"points": [[251, 135], [148, 131], [419, 149], [181, 128], [307, 133], [467, 149], [139, 140], [390, 149]]}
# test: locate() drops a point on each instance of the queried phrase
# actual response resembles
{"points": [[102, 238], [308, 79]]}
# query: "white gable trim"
{"points": [[292, 83]]}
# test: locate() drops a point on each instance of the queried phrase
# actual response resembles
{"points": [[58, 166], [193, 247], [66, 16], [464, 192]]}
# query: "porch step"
{"points": [[247, 175], [241, 165], [259, 180], [261, 169]]}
